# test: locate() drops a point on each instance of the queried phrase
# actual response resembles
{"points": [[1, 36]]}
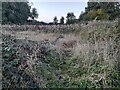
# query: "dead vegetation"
{"points": [[88, 58]]}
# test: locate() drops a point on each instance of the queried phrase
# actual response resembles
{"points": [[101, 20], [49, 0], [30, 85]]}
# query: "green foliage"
{"points": [[70, 18], [100, 14], [11, 73], [62, 20], [17, 12], [34, 13], [92, 14], [101, 10], [55, 21]]}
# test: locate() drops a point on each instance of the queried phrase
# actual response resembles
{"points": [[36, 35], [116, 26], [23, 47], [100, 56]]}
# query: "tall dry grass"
{"points": [[99, 53]]}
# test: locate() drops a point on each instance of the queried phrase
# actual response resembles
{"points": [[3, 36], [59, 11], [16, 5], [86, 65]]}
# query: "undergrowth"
{"points": [[31, 64]]}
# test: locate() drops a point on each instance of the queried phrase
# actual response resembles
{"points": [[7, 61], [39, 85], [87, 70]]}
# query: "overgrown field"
{"points": [[86, 57]]}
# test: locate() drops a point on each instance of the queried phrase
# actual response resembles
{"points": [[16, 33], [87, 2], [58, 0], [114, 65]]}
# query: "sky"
{"points": [[48, 10]]}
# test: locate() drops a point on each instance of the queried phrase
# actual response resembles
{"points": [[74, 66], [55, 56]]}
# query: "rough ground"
{"points": [[88, 59], [59, 40]]}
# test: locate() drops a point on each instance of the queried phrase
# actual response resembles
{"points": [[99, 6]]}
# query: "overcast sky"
{"points": [[47, 10]]}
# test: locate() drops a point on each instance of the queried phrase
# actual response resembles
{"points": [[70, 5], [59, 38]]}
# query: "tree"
{"points": [[113, 9], [16, 12], [92, 14], [55, 20], [102, 15], [62, 20], [104, 10], [34, 13], [70, 18]]}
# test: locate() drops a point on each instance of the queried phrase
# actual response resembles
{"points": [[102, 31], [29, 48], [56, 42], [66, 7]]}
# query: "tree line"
{"points": [[71, 18], [18, 13], [101, 11], [23, 13]]}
